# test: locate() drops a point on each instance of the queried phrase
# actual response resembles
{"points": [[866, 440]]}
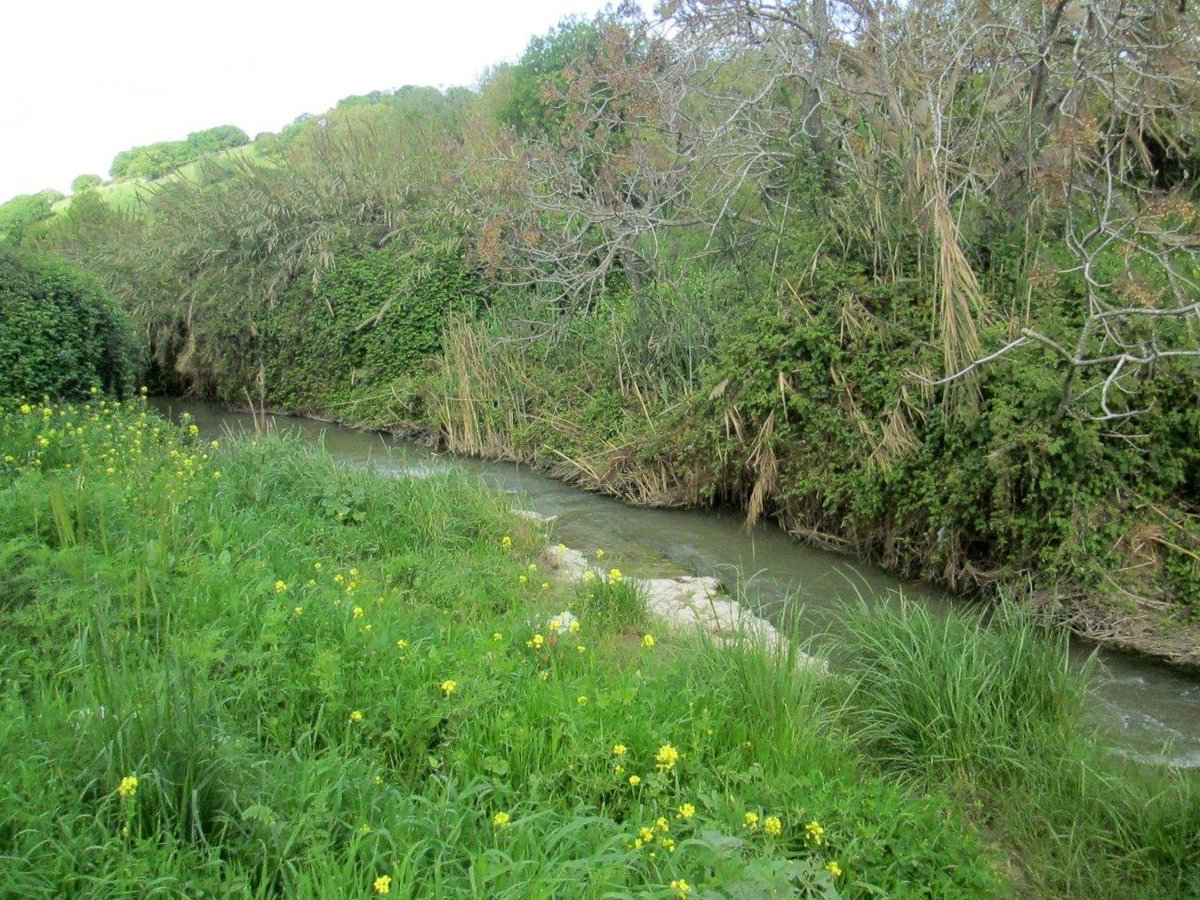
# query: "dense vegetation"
{"points": [[239, 669], [924, 291], [61, 334]]}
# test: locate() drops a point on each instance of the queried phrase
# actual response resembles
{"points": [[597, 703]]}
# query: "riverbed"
{"points": [[1144, 708]]}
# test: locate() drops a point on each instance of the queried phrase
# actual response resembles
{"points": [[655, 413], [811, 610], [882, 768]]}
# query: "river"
{"points": [[1145, 709]]}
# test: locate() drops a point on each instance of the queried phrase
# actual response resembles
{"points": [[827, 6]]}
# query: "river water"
{"points": [[1146, 710]]}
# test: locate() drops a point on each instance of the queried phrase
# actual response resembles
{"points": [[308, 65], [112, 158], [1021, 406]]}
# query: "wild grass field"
{"points": [[241, 669]]}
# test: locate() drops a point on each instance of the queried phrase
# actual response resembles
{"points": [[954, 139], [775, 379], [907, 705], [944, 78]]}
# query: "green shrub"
{"points": [[60, 333]]}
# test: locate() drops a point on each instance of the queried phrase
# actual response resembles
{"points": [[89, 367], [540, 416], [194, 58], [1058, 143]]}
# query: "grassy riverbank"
{"points": [[245, 670]]}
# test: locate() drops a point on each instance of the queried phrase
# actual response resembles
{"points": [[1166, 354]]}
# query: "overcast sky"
{"points": [[82, 80]]}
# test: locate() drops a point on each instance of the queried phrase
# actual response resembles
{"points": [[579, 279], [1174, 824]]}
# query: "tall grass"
{"points": [[328, 683], [992, 713]]}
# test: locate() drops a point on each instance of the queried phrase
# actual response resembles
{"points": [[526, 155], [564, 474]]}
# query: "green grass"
{"points": [[994, 715], [266, 641]]}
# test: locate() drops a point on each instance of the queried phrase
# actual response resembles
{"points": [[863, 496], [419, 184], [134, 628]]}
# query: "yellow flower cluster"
{"points": [[382, 884], [501, 819], [128, 786], [814, 833], [681, 888], [666, 758], [449, 687]]}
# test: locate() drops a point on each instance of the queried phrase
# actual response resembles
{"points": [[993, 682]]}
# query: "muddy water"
{"points": [[1148, 710]]}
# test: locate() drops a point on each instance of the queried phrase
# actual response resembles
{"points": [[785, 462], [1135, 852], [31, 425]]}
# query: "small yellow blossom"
{"points": [[556, 624], [535, 642], [634, 780], [687, 811], [599, 554], [354, 573], [620, 749], [648, 641], [614, 575], [645, 835], [589, 575], [545, 585], [581, 700], [618, 770], [575, 626], [449, 687], [661, 824], [497, 636], [339, 577], [544, 675], [506, 542], [773, 826], [357, 612], [533, 567], [316, 567], [681, 888], [382, 884], [402, 644], [26, 409], [751, 820], [833, 868], [500, 819], [128, 786], [297, 610], [364, 828], [579, 648], [356, 715], [666, 757], [815, 833], [522, 579], [216, 473], [377, 780]]}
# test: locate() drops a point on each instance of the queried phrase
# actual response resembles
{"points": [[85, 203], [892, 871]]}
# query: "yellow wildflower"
{"points": [[589, 575], [833, 868], [500, 819], [687, 811], [544, 675], [298, 611], [634, 780], [497, 636], [662, 824], [645, 835], [618, 770], [575, 626], [648, 641], [545, 585], [581, 700], [522, 579], [614, 575], [620, 749], [377, 780], [26, 409], [751, 820], [599, 554], [773, 826], [382, 884], [506, 542], [356, 715], [579, 648], [128, 786], [533, 567], [449, 687], [681, 888], [556, 624], [535, 642], [814, 833], [402, 644], [666, 757]]}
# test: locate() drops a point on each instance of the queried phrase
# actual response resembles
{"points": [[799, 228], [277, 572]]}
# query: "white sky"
{"points": [[82, 79]]}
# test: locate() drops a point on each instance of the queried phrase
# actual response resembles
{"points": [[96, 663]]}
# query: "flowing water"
{"points": [[1150, 711]]}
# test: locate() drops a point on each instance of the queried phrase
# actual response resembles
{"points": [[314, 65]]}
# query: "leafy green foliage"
{"points": [[85, 182], [60, 333], [26, 209]]}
